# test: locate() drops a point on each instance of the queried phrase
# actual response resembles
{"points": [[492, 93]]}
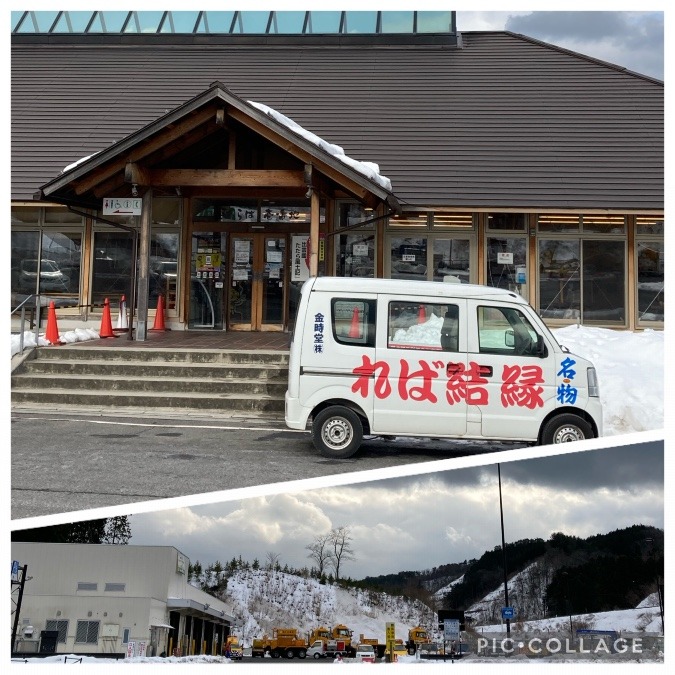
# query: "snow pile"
{"points": [[77, 335], [368, 169], [630, 370]]}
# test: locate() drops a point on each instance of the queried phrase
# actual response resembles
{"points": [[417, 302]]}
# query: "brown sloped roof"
{"points": [[506, 121]]}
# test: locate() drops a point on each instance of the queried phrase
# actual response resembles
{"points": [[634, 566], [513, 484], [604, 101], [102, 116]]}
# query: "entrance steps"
{"points": [[203, 382]]}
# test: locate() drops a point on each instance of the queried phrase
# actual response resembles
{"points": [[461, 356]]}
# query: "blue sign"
{"points": [[15, 567], [507, 613]]}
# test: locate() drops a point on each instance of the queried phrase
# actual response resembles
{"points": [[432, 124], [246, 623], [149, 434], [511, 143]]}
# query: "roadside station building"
{"points": [[200, 149], [107, 599]]}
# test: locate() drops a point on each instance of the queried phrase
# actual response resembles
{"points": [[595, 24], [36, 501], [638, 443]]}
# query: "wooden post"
{"points": [[144, 267], [314, 236]]}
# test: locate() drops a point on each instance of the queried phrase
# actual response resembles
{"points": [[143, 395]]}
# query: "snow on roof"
{"points": [[368, 169], [79, 161]]}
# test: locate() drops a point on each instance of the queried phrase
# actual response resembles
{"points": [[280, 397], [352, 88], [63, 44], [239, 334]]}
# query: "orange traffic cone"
{"points": [[122, 321], [106, 321], [422, 314], [355, 328], [52, 332], [159, 315]]}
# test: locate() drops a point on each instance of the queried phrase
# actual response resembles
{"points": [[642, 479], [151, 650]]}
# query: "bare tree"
{"points": [[320, 551], [341, 542], [272, 560]]}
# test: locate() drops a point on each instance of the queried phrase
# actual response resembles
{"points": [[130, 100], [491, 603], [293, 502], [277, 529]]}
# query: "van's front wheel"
{"points": [[337, 432], [565, 429]]}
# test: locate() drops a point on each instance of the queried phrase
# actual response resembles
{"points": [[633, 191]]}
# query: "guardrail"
{"points": [[35, 316]]}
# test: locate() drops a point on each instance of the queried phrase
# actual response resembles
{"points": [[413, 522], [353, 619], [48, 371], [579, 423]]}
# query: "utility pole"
{"points": [[506, 585], [21, 582]]}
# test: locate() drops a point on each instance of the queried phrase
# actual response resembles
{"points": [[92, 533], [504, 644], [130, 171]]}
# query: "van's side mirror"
{"points": [[542, 351], [510, 339]]}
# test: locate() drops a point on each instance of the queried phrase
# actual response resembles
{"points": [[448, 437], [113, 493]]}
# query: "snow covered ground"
{"points": [[630, 368]]}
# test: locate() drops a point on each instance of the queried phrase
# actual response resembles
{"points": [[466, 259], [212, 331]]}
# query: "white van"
{"points": [[441, 360]]}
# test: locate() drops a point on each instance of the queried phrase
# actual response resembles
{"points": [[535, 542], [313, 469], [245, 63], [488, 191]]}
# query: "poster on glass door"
{"points": [[299, 258]]}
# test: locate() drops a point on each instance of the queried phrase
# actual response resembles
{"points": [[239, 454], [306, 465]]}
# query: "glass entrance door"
{"points": [[257, 284], [207, 277]]}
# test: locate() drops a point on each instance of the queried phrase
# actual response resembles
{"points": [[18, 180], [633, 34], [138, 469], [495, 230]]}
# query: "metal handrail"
{"points": [[22, 307]]}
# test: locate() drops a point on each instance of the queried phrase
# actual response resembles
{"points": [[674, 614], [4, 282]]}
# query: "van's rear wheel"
{"points": [[337, 432], [565, 429]]}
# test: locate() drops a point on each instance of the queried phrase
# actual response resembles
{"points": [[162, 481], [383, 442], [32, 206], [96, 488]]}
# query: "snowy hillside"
{"points": [[261, 600], [527, 591]]}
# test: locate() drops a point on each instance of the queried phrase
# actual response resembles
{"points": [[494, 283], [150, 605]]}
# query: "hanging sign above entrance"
{"points": [[122, 206]]}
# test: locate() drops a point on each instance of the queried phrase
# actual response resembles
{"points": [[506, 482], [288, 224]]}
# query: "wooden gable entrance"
{"points": [[250, 189]]}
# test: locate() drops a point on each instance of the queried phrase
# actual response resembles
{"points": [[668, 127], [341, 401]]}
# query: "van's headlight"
{"points": [[593, 388]]}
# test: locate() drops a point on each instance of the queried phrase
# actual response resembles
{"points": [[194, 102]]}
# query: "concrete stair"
{"points": [[200, 381]]}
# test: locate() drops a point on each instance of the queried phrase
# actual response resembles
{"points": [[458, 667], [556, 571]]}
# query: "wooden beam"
{"points": [[215, 178], [135, 174], [143, 149]]}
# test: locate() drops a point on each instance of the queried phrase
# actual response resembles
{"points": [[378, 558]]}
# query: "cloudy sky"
{"points": [[418, 522], [634, 40]]}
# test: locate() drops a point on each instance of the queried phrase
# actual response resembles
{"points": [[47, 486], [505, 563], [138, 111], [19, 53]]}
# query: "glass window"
{"points": [[603, 281], [144, 22], [504, 330], [179, 22], [355, 255], [111, 271], [353, 321], [507, 263], [72, 22], [251, 22], [582, 280], [215, 22], [649, 225], [435, 22], [126, 632], [558, 223], [410, 220], [452, 259], [87, 632], [324, 22], [414, 325], [397, 22], [24, 246], [37, 22], [288, 22], [408, 258], [163, 269], [604, 224], [108, 22], [25, 215], [61, 626], [166, 211], [515, 222], [58, 263], [650, 280], [360, 22], [352, 213], [457, 221], [560, 279]]}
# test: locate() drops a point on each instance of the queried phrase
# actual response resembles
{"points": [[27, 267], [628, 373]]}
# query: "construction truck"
{"points": [[417, 636], [378, 646], [336, 640], [284, 642], [233, 649]]}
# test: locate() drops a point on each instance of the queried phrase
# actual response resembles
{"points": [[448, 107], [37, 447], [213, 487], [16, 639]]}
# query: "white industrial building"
{"points": [[107, 599]]}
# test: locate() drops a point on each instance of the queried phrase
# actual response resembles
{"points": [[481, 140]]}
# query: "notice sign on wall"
{"points": [[122, 206], [299, 266]]}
